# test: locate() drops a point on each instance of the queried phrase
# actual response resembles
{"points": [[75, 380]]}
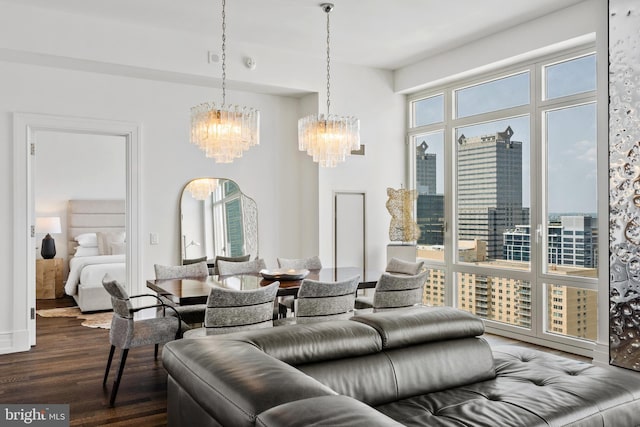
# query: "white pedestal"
{"points": [[403, 252]]}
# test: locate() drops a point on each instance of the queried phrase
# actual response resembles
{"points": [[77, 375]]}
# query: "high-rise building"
{"points": [[489, 188], [430, 206], [426, 174], [572, 241]]}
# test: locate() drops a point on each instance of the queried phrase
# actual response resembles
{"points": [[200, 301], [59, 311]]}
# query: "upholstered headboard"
{"points": [[93, 216]]}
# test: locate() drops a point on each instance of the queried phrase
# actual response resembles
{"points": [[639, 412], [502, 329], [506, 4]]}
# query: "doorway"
{"points": [[28, 128]]}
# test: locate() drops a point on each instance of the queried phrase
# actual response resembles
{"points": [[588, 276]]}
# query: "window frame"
{"points": [[537, 275]]}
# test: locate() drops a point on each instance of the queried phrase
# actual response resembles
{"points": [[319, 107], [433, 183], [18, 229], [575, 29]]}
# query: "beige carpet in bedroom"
{"points": [[91, 320]]}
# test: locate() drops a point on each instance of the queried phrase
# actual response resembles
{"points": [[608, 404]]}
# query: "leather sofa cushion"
{"points": [[324, 411], [531, 389], [421, 324], [400, 373], [315, 342], [232, 381]]}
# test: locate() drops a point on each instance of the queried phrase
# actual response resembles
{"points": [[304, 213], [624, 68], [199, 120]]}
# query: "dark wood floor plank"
{"points": [[67, 366]]}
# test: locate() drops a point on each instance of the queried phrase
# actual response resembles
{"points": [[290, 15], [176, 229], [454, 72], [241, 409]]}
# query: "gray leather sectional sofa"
{"points": [[420, 366]]}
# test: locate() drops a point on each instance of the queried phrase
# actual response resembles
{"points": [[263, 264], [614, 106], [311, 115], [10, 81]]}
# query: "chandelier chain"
{"points": [[224, 56], [328, 64]]}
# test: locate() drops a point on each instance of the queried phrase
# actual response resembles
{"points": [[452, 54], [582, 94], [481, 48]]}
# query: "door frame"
{"points": [[25, 129]]}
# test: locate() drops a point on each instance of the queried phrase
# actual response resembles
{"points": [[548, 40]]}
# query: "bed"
{"points": [[96, 234]]}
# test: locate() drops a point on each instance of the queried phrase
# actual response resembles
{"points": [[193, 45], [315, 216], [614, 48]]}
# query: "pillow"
{"points": [[106, 239], [89, 240], [404, 267], [86, 251], [118, 248]]}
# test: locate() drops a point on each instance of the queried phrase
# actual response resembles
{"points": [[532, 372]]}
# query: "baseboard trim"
{"points": [[601, 355], [14, 342]]}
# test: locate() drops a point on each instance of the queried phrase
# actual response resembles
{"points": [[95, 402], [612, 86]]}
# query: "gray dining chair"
{"points": [[191, 314], [127, 332], [394, 291], [231, 310], [310, 263], [218, 258], [228, 268], [320, 301], [394, 266]]}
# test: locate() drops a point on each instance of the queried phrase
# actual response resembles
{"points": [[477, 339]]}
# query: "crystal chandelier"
{"points": [[328, 139], [224, 132], [201, 188]]}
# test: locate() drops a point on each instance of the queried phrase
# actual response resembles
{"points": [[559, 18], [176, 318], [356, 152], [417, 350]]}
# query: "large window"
{"points": [[505, 169]]}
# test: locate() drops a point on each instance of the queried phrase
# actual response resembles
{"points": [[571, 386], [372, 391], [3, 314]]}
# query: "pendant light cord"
{"points": [[224, 56], [328, 10]]}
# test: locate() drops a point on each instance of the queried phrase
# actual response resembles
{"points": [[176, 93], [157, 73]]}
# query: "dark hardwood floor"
{"points": [[67, 366]]}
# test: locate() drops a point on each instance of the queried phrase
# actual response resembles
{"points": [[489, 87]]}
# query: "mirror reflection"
{"points": [[217, 219]]}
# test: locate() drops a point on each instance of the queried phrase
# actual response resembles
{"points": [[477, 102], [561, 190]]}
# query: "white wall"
{"points": [[567, 26]]}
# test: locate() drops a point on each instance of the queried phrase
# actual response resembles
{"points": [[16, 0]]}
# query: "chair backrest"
{"points": [[226, 268], [396, 265], [193, 260], [395, 290], [311, 263], [229, 310], [119, 297], [242, 258], [199, 269], [326, 300]]}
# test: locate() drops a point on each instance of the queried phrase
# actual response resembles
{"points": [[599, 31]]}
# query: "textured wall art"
{"points": [[403, 227], [624, 183]]}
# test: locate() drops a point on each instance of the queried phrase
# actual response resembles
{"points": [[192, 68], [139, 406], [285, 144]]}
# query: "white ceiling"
{"points": [[376, 33]]}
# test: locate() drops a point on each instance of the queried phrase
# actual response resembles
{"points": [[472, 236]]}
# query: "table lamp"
{"points": [[48, 224]]}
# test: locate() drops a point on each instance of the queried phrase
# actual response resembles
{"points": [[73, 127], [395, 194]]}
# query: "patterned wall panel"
{"points": [[624, 183]]}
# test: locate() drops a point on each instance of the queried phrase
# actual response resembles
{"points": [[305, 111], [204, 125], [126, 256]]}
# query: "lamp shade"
{"points": [[48, 224]]}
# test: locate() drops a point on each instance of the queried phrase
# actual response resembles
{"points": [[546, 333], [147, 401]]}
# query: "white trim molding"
{"points": [[25, 128]]}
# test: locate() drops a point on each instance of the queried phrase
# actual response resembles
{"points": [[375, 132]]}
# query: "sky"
{"points": [[570, 152]]}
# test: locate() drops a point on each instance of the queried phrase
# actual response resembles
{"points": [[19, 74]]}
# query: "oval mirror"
{"points": [[217, 219]]}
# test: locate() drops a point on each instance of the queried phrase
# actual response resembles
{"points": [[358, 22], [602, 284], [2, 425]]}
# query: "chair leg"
{"points": [[116, 384], [106, 372], [155, 352]]}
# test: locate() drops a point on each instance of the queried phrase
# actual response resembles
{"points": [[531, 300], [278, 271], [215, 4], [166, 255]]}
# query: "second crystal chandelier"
{"points": [[328, 139]]}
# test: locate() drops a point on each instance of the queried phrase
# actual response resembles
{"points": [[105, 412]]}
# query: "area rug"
{"points": [[91, 320]]}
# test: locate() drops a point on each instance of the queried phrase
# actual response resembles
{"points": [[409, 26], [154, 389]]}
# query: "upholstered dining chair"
{"points": [[394, 291], [191, 314], [321, 301], [193, 260], [394, 266], [227, 268], [310, 263], [127, 332], [231, 310], [241, 258]]}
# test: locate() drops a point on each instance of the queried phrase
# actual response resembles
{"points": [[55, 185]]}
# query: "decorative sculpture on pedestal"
{"points": [[403, 228]]}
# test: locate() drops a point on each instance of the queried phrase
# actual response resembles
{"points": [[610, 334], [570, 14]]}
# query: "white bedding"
{"points": [[90, 270]]}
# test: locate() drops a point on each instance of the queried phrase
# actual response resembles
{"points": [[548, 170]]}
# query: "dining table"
{"points": [[196, 290]]}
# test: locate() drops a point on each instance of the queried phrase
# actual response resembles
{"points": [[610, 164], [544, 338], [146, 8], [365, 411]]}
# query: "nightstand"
{"points": [[49, 283]]}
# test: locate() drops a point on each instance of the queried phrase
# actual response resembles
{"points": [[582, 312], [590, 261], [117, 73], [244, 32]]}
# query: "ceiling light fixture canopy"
{"points": [[224, 132], [328, 139]]}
